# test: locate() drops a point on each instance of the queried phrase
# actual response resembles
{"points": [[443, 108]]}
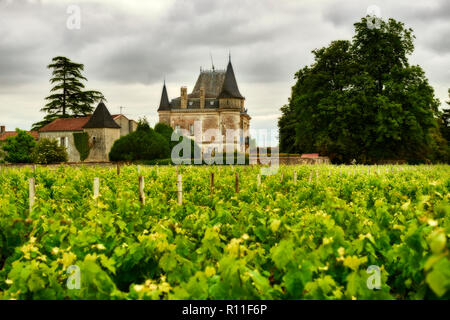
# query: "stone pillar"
{"points": [[202, 98], [183, 97]]}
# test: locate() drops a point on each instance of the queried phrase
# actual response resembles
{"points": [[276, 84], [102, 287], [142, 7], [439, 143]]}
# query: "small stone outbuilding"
{"points": [[102, 128]]}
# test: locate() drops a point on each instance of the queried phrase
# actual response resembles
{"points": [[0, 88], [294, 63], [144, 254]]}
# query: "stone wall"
{"points": [[299, 160]]}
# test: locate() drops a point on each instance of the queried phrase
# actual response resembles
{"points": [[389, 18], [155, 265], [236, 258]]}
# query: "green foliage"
{"points": [[47, 151], [82, 144], [19, 147], [362, 100], [142, 144], [165, 131], [310, 240], [68, 97]]}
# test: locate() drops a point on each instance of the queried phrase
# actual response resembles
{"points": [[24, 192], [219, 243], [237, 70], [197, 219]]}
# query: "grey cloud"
{"points": [[440, 43], [431, 11], [269, 41]]}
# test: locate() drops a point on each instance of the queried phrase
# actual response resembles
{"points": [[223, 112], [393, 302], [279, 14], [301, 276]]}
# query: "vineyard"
{"points": [[306, 232]]}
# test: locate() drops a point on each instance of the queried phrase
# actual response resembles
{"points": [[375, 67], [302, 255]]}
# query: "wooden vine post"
{"points": [[141, 190], [310, 177], [295, 177], [96, 188], [180, 189], [212, 182], [32, 192], [259, 180], [236, 182], [118, 169]]}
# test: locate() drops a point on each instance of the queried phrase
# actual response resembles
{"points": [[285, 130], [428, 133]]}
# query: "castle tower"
{"points": [[229, 96], [103, 131]]}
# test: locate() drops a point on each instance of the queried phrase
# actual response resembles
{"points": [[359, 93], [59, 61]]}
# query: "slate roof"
{"points": [[101, 118], [230, 88], [212, 81], [217, 84], [164, 104], [66, 124]]}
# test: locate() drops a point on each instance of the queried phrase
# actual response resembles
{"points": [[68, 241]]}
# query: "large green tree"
{"points": [[362, 100], [68, 97]]}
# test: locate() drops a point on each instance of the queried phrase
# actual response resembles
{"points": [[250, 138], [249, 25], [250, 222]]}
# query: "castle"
{"points": [[214, 104]]}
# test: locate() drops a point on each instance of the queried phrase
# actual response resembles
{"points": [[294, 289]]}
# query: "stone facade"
{"points": [[101, 141], [126, 126], [74, 155]]}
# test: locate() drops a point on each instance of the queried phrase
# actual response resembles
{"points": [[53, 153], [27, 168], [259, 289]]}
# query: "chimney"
{"points": [[202, 97], [183, 97], [2, 129]]}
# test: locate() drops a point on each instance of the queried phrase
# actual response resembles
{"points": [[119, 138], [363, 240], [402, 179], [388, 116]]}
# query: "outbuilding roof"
{"points": [[66, 124], [101, 118]]}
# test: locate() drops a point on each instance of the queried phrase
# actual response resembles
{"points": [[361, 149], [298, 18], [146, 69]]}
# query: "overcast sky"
{"points": [[129, 46]]}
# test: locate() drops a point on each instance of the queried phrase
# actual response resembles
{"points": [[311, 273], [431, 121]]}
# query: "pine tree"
{"points": [[67, 98]]}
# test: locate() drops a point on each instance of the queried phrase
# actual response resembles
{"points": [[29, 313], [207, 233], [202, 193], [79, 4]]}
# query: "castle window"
{"points": [[191, 129], [211, 103], [190, 103]]}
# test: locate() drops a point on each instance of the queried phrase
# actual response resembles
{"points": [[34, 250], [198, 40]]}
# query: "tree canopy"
{"points": [[68, 97], [142, 144], [362, 100], [19, 148]]}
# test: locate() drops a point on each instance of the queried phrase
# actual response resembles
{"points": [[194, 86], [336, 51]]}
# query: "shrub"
{"points": [[47, 151], [166, 131], [143, 144], [19, 148]]}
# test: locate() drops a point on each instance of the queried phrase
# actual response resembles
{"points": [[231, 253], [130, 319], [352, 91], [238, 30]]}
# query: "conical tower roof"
{"points": [[164, 104], [230, 88], [101, 118]]}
